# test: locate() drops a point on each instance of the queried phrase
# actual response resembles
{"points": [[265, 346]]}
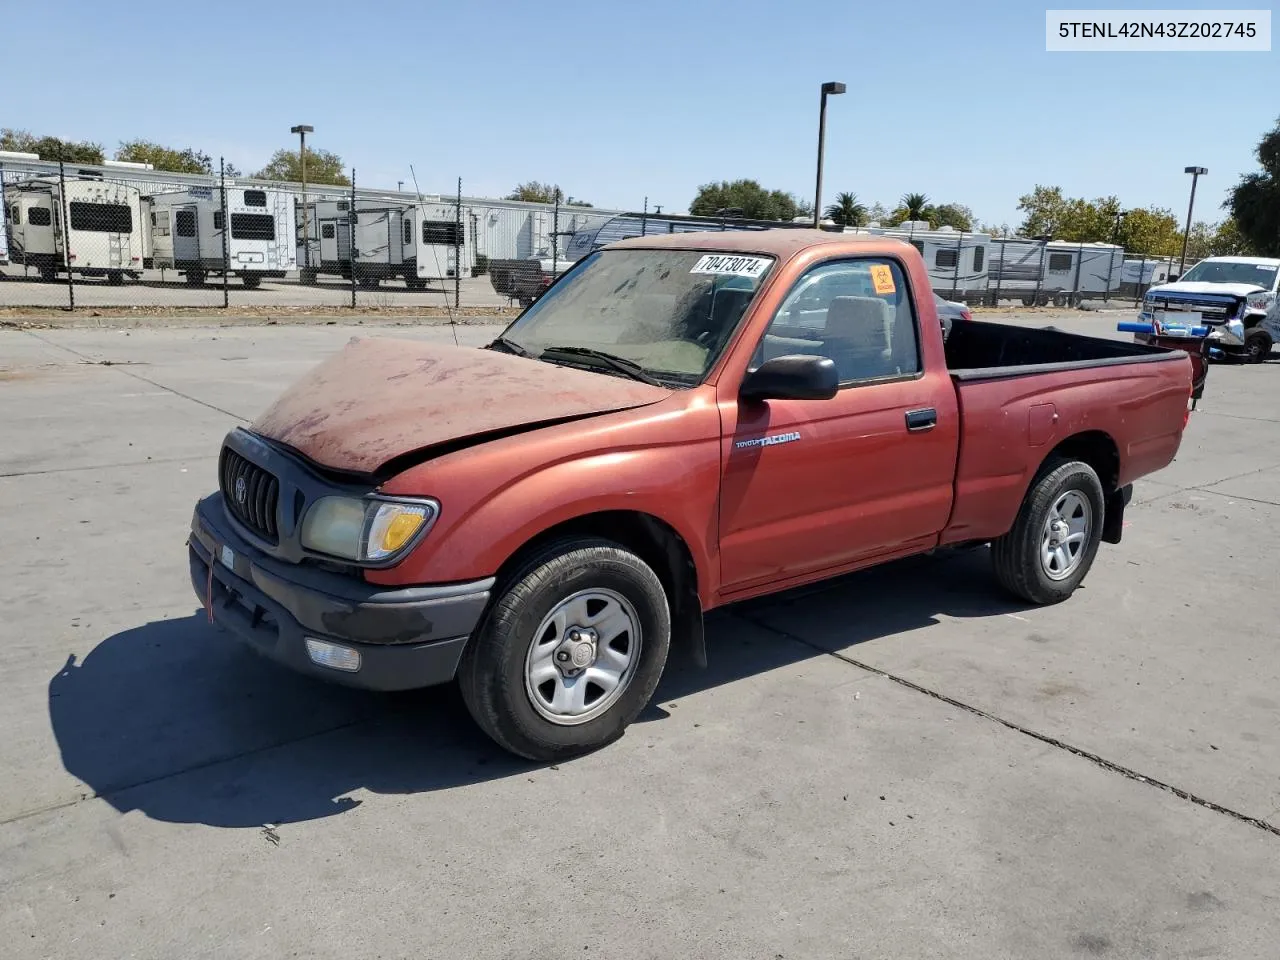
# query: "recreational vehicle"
{"points": [[102, 235], [416, 243], [187, 233], [1037, 272]]}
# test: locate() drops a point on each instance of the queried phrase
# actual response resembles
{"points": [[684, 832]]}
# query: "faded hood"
{"points": [[379, 399]]}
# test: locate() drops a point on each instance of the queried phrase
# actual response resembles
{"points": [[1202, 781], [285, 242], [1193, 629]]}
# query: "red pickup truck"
{"points": [[679, 423]]}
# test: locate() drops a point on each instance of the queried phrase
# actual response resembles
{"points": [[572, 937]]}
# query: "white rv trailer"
{"points": [[103, 236], [956, 259], [187, 227], [1058, 270], [413, 242]]}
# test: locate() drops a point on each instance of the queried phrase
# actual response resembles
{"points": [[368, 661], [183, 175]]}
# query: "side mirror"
{"points": [[799, 377]]}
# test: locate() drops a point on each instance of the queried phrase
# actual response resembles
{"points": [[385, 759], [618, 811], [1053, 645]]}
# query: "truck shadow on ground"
{"points": [[181, 723]]}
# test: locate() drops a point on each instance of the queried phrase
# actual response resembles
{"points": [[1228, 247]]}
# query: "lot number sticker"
{"points": [[882, 278], [719, 263]]}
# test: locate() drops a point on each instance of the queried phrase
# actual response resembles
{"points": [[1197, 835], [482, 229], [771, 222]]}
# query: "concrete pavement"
{"points": [[899, 763]]}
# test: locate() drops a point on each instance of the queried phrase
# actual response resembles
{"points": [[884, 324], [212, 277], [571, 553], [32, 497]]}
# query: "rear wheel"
{"points": [[250, 281], [195, 278], [570, 652], [115, 277], [1055, 536], [1257, 346]]}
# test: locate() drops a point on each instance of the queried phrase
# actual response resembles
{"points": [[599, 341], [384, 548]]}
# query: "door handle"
{"points": [[920, 420]]}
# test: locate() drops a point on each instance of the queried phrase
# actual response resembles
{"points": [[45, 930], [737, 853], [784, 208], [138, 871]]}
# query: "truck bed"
{"points": [[1022, 392], [977, 350]]}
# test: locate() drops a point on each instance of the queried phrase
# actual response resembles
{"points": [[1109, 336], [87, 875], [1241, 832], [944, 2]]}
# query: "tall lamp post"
{"points": [[302, 130], [828, 89], [1196, 173]]}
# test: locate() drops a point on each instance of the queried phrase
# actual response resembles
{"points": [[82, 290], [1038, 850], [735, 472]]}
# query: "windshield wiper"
{"points": [[510, 346], [621, 364]]}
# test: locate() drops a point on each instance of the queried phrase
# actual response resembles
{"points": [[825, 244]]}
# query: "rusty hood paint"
{"points": [[379, 399]]}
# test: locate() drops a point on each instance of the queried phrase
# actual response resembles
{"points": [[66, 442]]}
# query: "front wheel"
{"points": [[1055, 536], [1257, 346], [570, 652]]}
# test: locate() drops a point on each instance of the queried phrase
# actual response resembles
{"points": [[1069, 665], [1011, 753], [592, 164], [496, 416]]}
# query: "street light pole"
{"points": [[828, 89], [302, 130], [1186, 235]]}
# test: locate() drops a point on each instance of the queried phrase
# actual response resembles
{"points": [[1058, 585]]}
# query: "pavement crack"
{"points": [[1044, 738], [97, 466], [119, 368]]}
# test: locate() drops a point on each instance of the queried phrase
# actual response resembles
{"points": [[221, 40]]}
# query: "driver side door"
{"points": [[813, 486]]}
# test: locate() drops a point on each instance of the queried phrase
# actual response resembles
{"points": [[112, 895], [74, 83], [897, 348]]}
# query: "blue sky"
{"points": [[619, 100]]}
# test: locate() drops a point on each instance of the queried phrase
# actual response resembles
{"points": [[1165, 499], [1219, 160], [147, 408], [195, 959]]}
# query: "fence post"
{"points": [[644, 217], [999, 276], [66, 241], [1111, 270], [955, 275], [226, 229], [555, 233], [457, 250], [351, 238], [1035, 297], [1075, 297]]}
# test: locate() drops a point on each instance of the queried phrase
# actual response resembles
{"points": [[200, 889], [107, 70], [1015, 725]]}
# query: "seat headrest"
{"points": [[860, 321]]}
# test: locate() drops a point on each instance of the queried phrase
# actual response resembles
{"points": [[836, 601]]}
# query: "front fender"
{"points": [[677, 484]]}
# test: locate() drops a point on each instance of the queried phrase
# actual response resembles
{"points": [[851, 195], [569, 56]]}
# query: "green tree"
{"points": [[1152, 231], [878, 213], [913, 205], [955, 215], [747, 198], [186, 160], [1254, 202], [51, 148], [536, 192], [1043, 211], [846, 211], [323, 167]]}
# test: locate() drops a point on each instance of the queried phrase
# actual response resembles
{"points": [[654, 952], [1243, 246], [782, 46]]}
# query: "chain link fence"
{"points": [[80, 237], [123, 237]]}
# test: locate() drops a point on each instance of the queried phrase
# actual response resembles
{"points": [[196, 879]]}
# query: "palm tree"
{"points": [[915, 204], [846, 211]]}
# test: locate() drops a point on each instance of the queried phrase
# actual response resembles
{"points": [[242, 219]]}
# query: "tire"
{"points": [[499, 672], [1257, 346], [195, 278], [1019, 557], [48, 274], [250, 281], [307, 276], [115, 277]]}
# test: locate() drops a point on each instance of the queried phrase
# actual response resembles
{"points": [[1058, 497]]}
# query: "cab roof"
{"points": [[783, 243]]}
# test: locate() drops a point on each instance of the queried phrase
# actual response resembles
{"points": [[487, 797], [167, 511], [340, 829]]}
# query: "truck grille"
{"points": [[250, 494]]}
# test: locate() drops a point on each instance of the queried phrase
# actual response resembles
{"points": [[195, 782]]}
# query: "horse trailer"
{"points": [[188, 233], [92, 227]]}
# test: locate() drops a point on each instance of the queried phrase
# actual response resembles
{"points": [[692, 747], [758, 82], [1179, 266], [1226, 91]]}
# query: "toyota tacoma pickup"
{"points": [[678, 423]]}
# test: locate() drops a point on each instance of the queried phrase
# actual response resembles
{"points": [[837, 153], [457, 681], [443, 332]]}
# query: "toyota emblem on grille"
{"points": [[242, 488]]}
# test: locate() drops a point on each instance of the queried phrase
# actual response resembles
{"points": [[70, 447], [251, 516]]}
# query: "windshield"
{"points": [[669, 312], [1220, 271]]}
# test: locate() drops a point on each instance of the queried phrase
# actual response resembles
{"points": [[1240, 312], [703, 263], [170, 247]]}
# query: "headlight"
{"points": [[365, 531]]}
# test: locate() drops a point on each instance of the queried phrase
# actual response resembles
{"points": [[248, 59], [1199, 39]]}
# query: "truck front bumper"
{"points": [[309, 619]]}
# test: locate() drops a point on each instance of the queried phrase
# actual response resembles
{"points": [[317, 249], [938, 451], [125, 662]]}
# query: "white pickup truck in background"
{"points": [[1236, 297]]}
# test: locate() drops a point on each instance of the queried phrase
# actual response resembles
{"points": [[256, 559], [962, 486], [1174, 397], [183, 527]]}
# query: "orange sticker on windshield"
{"points": [[882, 278]]}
